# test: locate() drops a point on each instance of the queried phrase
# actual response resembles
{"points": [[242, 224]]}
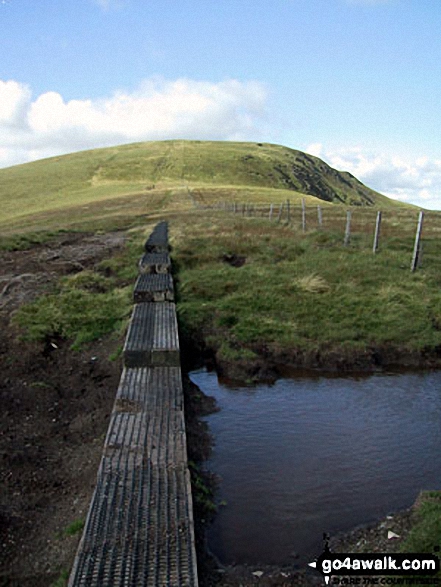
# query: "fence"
{"points": [[359, 226]]}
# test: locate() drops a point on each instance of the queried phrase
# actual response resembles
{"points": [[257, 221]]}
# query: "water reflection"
{"points": [[307, 456]]}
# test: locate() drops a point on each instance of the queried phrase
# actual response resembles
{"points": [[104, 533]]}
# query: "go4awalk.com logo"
{"points": [[377, 568]]}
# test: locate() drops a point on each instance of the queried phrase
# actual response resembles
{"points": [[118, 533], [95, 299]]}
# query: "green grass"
{"points": [[304, 292], [80, 315], [297, 293], [76, 527], [425, 535], [426, 532], [20, 242], [85, 306], [62, 579], [128, 181]]}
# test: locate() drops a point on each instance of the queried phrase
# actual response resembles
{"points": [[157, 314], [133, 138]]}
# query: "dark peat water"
{"points": [[312, 455]]}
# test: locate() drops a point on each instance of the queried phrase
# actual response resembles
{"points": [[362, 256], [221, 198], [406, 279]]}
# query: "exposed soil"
{"points": [[55, 409], [373, 538], [272, 364]]}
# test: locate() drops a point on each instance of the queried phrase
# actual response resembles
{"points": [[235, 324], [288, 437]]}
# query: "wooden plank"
{"points": [[139, 529], [158, 240], [153, 288], [155, 263], [152, 338]]}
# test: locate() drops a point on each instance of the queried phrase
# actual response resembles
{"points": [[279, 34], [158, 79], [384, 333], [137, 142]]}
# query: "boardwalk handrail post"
{"points": [[417, 246], [377, 232], [348, 228]]}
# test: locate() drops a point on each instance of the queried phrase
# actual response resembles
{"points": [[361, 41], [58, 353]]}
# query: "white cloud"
{"points": [[315, 149], [14, 100], [158, 109], [415, 180]]}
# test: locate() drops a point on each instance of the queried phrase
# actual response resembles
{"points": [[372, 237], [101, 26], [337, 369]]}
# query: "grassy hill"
{"points": [[259, 297], [169, 175]]}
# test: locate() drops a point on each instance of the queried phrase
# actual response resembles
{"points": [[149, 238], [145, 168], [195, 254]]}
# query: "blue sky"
{"points": [[356, 82]]}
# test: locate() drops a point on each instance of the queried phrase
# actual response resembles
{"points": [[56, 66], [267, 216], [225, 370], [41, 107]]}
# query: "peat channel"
{"points": [[313, 455], [139, 529]]}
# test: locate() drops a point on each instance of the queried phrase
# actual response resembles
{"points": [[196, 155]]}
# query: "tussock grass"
{"points": [[312, 283], [27, 240], [304, 291], [75, 314], [85, 306]]}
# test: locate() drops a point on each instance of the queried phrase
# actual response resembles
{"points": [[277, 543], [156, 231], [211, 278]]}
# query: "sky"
{"points": [[354, 82]]}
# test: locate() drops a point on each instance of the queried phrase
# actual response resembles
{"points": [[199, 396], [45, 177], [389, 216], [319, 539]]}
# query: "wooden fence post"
{"points": [[280, 212], [319, 217], [271, 212], [348, 228], [303, 215], [288, 210], [417, 247], [377, 232]]}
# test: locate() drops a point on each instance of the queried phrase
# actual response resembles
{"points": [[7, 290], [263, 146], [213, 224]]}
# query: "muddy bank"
{"points": [[272, 364], [55, 413], [56, 405], [372, 538]]}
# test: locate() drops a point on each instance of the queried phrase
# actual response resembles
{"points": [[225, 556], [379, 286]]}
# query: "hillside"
{"points": [[172, 174]]}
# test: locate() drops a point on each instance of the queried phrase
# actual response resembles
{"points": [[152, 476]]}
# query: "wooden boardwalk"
{"points": [[151, 287], [155, 263], [139, 530]]}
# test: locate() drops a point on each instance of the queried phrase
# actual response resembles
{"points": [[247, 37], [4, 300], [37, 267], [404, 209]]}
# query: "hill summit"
{"points": [[210, 170]]}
